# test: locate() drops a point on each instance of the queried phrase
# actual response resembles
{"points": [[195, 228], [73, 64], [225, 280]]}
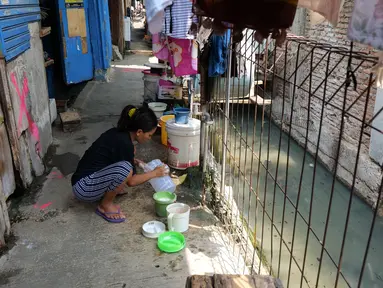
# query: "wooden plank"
{"points": [[45, 31], [234, 281], [233, 101], [49, 62], [251, 100], [76, 22], [10, 121], [259, 100], [199, 281], [116, 15], [7, 175], [121, 39], [5, 225]]}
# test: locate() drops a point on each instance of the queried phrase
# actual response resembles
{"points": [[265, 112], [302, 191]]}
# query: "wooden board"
{"points": [[7, 176], [7, 179], [45, 31], [259, 100], [76, 22], [116, 15], [232, 281], [251, 100], [199, 281], [5, 226], [49, 62], [10, 121]]}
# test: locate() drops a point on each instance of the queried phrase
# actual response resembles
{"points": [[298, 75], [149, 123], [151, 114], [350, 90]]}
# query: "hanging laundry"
{"points": [[258, 15], [155, 13], [366, 24], [182, 54], [218, 54], [159, 46], [329, 9], [204, 32], [179, 18]]}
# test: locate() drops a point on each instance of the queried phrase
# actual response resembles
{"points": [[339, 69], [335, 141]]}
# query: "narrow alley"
{"points": [[266, 119], [60, 242]]}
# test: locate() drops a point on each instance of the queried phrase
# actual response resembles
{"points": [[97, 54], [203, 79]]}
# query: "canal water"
{"points": [[283, 211]]}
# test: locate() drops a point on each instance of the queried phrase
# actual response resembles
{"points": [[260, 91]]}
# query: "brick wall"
{"points": [[368, 173]]}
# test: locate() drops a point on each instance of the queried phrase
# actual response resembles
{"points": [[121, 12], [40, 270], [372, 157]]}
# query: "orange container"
{"points": [[164, 134]]}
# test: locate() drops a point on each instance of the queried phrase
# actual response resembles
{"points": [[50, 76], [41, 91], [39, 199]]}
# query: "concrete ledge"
{"points": [[140, 52]]}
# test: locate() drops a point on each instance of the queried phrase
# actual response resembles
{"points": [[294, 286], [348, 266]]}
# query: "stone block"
{"points": [[116, 54], [70, 121]]}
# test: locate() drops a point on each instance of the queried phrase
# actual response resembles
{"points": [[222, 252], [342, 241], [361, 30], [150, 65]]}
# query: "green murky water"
{"points": [[283, 214]]}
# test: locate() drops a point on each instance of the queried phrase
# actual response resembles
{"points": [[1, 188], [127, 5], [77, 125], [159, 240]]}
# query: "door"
{"points": [[75, 41], [116, 16]]}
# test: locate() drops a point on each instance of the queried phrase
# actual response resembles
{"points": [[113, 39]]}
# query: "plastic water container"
{"points": [[161, 183], [183, 143]]}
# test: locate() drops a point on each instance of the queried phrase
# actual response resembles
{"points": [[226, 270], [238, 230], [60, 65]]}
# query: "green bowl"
{"points": [[163, 199], [171, 242]]}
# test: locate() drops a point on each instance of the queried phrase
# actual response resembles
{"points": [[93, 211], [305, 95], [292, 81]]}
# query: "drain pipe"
{"points": [[206, 122], [226, 121]]}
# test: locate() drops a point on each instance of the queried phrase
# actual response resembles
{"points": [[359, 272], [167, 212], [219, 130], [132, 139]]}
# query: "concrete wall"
{"points": [[28, 114], [368, 173]]}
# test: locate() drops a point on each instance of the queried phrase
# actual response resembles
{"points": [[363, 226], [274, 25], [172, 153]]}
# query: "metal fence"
{"points": [[289, 166]]}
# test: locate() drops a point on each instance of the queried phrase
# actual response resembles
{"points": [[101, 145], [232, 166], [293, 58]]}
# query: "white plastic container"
{"points": [[158, 108], [178, 217], [160, 184], [153, 229], [127, 34], [183, 143], [150, 86]]}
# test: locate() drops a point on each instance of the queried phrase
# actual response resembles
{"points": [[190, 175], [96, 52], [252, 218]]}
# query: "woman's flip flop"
{"points": [[111, 220]]}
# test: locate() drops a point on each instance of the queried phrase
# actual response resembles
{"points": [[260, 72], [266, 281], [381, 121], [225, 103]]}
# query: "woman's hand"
{"points": [[161, 171]]}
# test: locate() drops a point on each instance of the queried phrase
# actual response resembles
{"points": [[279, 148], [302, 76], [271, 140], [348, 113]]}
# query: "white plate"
{"points": [[153, 229]]}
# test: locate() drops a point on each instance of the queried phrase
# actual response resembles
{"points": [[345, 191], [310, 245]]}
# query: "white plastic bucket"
{"points": [[150, 86], [158, 108], [178, 217], [183, 143]]}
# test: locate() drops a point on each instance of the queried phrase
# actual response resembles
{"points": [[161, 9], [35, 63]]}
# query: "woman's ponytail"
{"points": [[133, 119]]}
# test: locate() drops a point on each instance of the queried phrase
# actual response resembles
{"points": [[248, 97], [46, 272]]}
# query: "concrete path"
{"points": [[60, 242]]}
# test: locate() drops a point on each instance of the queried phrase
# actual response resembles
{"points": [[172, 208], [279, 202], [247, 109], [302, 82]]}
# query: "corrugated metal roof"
{"points": [[14, 33]]}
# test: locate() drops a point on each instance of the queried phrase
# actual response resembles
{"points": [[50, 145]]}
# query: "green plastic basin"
{"points": [[171, 242], [162, 200]]}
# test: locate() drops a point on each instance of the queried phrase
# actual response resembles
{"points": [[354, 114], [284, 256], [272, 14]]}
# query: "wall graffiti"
{"points": [[33, 129]]}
